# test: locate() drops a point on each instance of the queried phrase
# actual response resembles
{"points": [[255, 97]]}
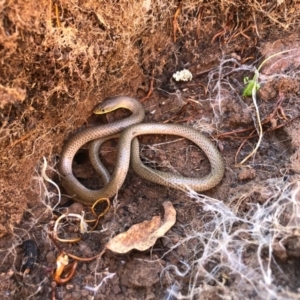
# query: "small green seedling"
{"points": [[252, 84], [252, 87]]}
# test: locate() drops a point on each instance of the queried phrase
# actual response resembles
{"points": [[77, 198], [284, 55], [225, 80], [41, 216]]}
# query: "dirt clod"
{"points": [[141, 274], [247, 174]]}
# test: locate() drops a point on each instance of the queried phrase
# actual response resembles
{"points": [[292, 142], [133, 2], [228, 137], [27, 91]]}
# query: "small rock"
{"points": [[116, 289], [150, 296], [51, 258], [76, 295], [86, 250], [68, 297], [84, 267], [248, 173], [69, 286], [75, 208], [279, 251], [84, 294], [141, 274]]}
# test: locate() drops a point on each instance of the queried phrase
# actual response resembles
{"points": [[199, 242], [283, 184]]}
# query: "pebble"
{"points": [[248, 173], [51, 258]]}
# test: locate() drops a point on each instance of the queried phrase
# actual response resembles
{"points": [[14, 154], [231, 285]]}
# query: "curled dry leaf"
{"points": [[142, 236]]}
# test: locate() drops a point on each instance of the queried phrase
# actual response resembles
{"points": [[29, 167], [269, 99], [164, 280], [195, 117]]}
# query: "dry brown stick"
{"points": [[57, 16], [199, 21], [86, 259], [151, 88], [277, 108], [242, 145], [254, 134], [220, 33], [21, 139], [175, 22]]}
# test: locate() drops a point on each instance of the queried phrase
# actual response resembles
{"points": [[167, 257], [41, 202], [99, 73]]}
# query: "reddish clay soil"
{"points": [[60, 58]]}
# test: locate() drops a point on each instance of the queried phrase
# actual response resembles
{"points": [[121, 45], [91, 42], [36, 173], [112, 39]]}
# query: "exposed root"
{"points": [[238, 247]]}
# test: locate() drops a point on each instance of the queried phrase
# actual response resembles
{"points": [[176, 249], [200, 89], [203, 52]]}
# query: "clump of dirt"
{"points": [[60, 58]]}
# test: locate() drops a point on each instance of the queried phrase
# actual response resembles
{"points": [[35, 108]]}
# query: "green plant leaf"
{"points": [[251, 84]]}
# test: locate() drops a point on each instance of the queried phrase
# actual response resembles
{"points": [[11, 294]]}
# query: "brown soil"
{"points": [[60, 58]]}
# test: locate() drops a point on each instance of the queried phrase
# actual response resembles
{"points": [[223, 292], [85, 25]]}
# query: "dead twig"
{"points": [[252, 134], [175, 22], [84, 259], [277, 108], [21, 139], [151, 88], [57, 16], [276, 112], [199, 22], [181, 112]]}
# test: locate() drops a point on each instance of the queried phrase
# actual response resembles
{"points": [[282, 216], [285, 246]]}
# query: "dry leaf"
{"points": [[142, 236]]}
